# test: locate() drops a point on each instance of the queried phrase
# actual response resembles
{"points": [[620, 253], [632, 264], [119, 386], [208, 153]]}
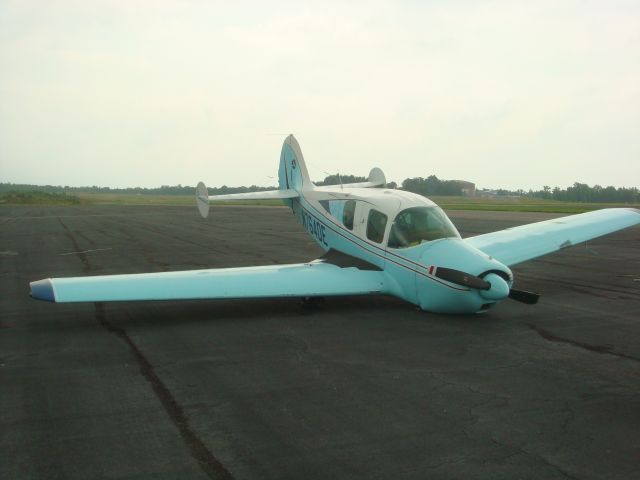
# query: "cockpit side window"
{"points": [[420, 224], [348, 213], [342, 210], [375, 226]]}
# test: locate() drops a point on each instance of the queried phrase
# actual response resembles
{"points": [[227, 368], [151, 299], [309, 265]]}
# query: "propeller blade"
{"points": [[523, 296], [462, 278]]}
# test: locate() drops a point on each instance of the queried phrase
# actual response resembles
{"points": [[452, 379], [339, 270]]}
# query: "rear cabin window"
{"points": [[420, 224], [348, 213], [375, 226]]}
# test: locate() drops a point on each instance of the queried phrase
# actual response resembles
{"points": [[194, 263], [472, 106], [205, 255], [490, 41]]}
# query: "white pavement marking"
{"points": [[87, 251]]}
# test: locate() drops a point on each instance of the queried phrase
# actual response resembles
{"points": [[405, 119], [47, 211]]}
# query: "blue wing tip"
{"points": [[43, 290]]}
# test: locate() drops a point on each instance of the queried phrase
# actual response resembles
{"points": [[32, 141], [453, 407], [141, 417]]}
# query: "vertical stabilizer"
{"points": [[293, 173]]}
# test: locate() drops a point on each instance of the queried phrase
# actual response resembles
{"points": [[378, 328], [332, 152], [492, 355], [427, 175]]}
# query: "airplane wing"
{"points": [[519, 244], [323, 277]]}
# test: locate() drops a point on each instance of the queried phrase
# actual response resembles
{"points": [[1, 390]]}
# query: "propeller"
{"points": [[462, 278], [496, 291], [523, 296]]}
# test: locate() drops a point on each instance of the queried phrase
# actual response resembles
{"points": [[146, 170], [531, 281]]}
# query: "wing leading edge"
{"points": [[297, 280], [519, 244]]}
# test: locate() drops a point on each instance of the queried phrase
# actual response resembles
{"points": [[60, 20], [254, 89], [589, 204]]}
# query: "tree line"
{"points": [[581, 192], [432, 185], [163, 190]]}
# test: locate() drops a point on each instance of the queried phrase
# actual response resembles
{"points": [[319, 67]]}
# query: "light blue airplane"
{"points": [[376, 241]]}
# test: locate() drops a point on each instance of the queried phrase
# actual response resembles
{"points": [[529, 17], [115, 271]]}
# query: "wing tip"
{"points": [[42, 290], [202, 199]]}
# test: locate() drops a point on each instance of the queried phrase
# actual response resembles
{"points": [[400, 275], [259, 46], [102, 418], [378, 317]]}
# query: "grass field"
{"points": [[513, 204], [125, 199], [521, 204], [38, 198]]}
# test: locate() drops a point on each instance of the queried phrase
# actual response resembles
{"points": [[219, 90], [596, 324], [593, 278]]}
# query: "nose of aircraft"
{"points": [[499, 288], [455, 254], [458, 263]]}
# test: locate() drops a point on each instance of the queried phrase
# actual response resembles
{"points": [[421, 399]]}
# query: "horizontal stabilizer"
{"points": [[297, 280], [203, 198], [264, 195], [376, 179], [519, 244]]}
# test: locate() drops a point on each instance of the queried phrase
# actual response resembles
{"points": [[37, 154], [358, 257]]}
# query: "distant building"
{"points": [[468, 189]]}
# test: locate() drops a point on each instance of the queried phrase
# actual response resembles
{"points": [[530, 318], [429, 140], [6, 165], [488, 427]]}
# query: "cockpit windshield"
{"points": [[420, 224]]}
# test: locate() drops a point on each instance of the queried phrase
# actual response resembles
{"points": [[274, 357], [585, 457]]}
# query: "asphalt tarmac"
{"points": [[359, 387]]}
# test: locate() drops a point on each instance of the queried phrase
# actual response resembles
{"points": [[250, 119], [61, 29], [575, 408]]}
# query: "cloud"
{"points": [[509, 94]]}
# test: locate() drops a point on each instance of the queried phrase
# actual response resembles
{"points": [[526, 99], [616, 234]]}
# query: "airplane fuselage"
{"points": [[409, 269]]}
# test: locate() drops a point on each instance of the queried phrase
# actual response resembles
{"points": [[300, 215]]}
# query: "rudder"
{"points": [[292, 173]]}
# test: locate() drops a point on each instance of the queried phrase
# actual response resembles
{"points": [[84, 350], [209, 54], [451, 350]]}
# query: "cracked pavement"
{"points": [[356, 388]]}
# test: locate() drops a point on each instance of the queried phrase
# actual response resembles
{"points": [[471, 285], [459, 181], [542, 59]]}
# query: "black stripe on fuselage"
{"points": [[375, 246], [284, 163], [376, 253], [389, 252]]}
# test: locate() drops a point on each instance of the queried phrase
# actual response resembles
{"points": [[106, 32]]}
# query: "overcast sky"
{"points": [[514, 94]]}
